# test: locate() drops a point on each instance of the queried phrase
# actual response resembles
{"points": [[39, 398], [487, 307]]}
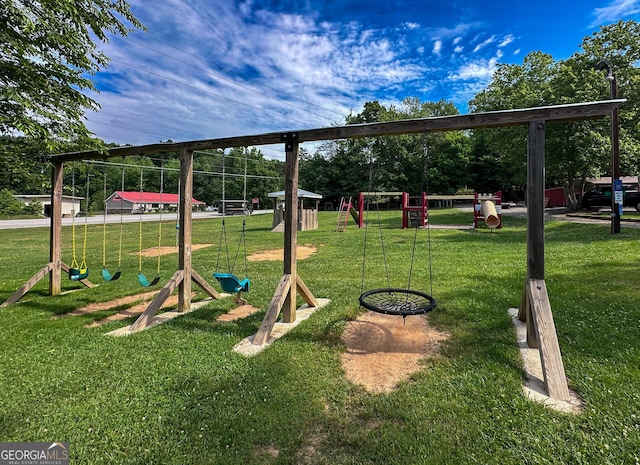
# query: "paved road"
{"points": [[98, 219]]}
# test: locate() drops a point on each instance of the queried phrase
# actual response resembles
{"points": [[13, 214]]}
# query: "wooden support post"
{"points": [[552, 367], [204, 285], [305, 293], [185, 231], [269, 320], [535, 201], [55, 231], [28, 285], [291, 224], [156, 304], [541, 331], [285, 296], [524, 314]]}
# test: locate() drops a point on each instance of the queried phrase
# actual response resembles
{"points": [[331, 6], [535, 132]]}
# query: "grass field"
{"points": [[178, 394]]}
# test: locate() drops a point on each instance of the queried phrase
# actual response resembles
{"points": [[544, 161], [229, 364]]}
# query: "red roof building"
{"points": [[140, 202]]}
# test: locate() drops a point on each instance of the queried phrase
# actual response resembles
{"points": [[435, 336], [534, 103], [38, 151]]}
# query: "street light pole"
{"points": [[615, 146]]}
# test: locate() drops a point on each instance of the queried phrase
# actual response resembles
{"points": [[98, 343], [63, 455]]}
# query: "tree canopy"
{"points": [[48, 54], [575, 151]]}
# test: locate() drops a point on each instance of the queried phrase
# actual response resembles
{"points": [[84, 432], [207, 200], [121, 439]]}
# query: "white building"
{"points": [[70, 203]]}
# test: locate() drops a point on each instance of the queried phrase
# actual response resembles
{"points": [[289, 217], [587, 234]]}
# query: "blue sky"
{"points": [[218, 68]]}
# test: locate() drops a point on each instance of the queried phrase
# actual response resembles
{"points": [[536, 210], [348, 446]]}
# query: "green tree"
{"points": [[33, 208], [574, 151], [47, 59], [9, 205], [343, 168]]}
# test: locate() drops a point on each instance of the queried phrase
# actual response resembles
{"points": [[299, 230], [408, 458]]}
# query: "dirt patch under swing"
{"points": [[383, 350], [302, 252], [238, 313], [141, 302]]}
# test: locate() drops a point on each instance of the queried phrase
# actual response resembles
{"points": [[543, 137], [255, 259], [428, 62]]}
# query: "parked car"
{"points": [[600, 197]]}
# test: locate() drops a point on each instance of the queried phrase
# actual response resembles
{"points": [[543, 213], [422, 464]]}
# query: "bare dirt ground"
{"points": [[302, 252], [238, 313], [141, 302], [383, 350]]}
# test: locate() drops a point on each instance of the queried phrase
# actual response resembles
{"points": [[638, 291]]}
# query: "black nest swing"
{"points": [[391, 300], [395, 301]]}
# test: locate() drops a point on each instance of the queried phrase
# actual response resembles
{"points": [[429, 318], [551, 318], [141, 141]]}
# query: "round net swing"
{"points": [[393, 301]]}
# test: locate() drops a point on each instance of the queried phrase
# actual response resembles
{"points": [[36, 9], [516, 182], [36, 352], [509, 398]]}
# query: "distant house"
{"points": [[70, 204], [630, 182], [140, 202]]}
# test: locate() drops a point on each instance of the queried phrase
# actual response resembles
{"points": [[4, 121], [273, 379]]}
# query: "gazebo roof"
{"points": [[302, 194]]}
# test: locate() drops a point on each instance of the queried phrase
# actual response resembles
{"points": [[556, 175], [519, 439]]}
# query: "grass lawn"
{"points": [[178, 394]]}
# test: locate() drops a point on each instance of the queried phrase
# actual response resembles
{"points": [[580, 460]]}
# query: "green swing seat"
{"points": [[142, 279], [78, 274], [231, 283], [107, 276]]}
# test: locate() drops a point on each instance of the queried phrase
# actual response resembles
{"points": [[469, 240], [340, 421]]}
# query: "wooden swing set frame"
{"points": [[535, 308]]}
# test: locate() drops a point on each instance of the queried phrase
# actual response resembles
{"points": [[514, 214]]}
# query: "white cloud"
{"points": [[237, 69], [516, 52], [506, 41], [437, 47], [617, 10], [481, 70], [484, 43]]}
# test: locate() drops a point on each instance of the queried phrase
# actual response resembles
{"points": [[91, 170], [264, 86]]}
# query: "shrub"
{"points": [[9, 205]]}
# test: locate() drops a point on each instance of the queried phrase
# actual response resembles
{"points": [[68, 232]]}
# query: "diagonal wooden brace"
{"points": [[552, 367], [156, 304]]}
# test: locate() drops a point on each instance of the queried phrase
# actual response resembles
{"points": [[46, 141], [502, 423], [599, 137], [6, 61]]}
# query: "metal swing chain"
{"points": [[140, 224], [83, 265], [223, 230], [104, 222], [368, 204], [242, 240], [415, 233], [121, 221], [74, 261], [160, 208], [426, 189]]}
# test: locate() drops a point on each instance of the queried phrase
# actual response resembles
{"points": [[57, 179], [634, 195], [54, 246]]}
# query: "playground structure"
{"points": [[487, 208], [346, 208], [415, 214], [535, 308], [415, 210]]}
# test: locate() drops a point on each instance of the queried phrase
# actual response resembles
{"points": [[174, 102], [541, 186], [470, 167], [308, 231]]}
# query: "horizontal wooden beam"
{"points": [[492, 119]]}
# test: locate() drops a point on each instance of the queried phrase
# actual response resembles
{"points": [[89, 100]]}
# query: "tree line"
{"points": [[488, 160], [44, 70]]}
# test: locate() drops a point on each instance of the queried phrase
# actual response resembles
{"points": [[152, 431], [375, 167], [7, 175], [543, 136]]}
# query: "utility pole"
{"points": [[616, 204]]}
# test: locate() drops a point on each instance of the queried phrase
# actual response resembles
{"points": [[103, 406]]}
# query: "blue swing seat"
{"points": [[107, 276], [230, 282], [142, 279]]}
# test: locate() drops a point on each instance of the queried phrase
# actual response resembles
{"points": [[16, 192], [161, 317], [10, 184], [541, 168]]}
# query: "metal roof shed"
{"points": [[307, 217]]}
